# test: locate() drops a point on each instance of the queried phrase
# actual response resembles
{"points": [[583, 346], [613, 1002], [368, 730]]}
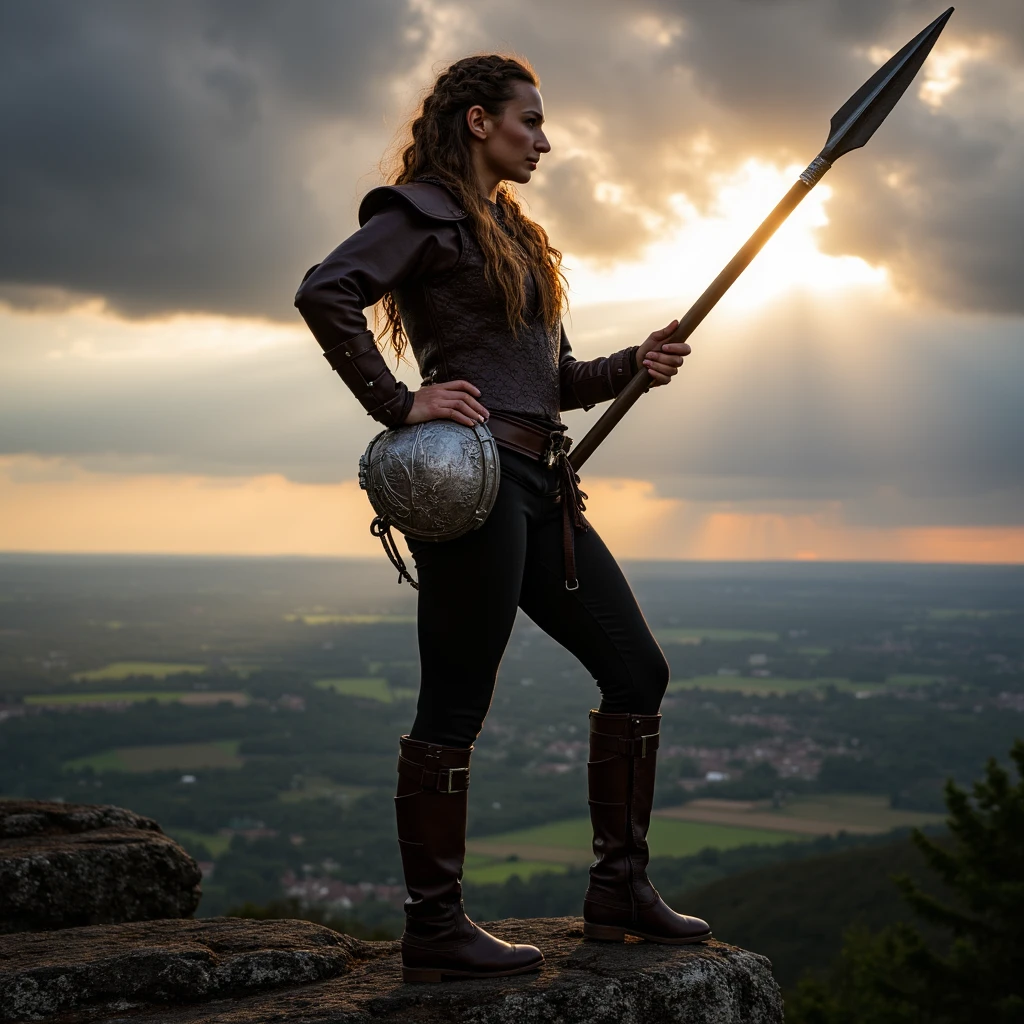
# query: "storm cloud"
{"points": [[197, 156]]}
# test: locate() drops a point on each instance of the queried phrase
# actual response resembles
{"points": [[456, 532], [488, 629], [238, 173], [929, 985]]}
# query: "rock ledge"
{"points": [[242, 972], [65, 865]]}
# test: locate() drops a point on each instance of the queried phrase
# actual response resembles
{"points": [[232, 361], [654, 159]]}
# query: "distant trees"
{"points": [[895, 976]]}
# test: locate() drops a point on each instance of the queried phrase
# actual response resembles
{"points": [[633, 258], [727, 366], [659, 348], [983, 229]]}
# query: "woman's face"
{"points": [[511, 146]]}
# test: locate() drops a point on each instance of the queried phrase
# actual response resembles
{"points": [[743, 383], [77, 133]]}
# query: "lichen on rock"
{"points": [[66, 865]]}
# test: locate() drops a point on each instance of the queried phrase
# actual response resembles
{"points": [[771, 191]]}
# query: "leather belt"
{"points": [[527, 438], [552, 448]]}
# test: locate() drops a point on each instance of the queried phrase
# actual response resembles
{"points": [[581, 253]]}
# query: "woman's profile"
{"points": [[473, 286]]}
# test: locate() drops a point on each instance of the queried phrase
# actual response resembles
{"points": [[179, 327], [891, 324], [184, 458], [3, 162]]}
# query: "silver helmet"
{"points": [[432, 481]]}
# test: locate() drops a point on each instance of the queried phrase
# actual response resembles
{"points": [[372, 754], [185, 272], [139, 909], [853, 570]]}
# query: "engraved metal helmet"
{"points": [[433, 481]]}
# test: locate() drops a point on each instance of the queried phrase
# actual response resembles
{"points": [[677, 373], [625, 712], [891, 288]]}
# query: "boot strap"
{"points": [[434, 778], [628, 746]]}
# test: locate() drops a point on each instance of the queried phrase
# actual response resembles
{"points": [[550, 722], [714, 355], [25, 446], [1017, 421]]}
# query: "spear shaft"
{"points": [[851, 127]]}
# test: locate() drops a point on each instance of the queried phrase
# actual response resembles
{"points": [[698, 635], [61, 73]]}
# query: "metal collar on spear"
{"points": [[851, 127]]}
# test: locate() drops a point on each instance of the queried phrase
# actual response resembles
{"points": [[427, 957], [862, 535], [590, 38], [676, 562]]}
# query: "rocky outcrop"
{"points": [[243, 972], [93, 971], [63, 865]]}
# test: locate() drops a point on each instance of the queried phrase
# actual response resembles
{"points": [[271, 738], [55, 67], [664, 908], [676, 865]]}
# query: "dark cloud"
{"points": [[158, 154], [199, 155]]}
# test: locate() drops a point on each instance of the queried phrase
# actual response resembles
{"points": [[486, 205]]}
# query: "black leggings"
{"points": [[470, 589]]}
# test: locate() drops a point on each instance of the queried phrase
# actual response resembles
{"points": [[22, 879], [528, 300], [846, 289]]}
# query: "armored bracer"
{"points": [[360, 365]]}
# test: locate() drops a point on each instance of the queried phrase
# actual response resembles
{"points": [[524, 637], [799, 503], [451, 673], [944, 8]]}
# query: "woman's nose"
{"points": [[542, 145]]}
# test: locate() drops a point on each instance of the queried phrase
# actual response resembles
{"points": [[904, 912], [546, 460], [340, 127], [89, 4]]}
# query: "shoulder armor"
{"points": [[433, 201]]}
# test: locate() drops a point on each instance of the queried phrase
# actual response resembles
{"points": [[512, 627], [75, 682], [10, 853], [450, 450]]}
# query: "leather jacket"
{"points": [[414, 241]]}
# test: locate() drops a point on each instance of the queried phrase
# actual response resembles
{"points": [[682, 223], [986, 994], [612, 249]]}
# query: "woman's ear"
{"points": [[478, 122]]}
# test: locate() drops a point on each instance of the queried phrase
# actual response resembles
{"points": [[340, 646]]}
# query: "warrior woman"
{"points": [[472, 284]]}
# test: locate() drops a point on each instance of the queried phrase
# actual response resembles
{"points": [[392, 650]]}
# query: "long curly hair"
{"points": [[439, 149]]}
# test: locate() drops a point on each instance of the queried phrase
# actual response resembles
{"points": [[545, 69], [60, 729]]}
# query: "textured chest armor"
{"points": [[458, 330], [456, 323]]}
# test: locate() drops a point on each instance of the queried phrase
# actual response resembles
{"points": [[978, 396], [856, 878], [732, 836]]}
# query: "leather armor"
{"points": [[414, 241]]}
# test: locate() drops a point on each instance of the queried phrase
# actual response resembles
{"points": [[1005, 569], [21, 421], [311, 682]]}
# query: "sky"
{"points": [[171, 169]]}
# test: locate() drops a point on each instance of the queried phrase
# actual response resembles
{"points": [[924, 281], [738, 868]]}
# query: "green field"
{"points": [[216, 844], [194, 697], [696, 634], [556, 846], [369, 688], [485, 870], [759, 685], [856, 809], [666, 838], [174, 756], [127, 669], [755, 685], [824, 814], [330, 619], [129, 696], [945, 614], [318, 787]]}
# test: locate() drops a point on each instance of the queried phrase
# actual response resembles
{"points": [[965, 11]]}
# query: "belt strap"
{"points": [[522, 436], [573, 518], [433, 776], [628, 746], [552, 447]]}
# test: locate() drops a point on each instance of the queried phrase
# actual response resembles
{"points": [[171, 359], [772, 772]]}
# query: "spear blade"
{"points": [[856, 120], [851, 127]]}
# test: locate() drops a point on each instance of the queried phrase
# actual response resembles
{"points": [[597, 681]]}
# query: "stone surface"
{"points": [[104, 968], [200, 972], [64, 865]]}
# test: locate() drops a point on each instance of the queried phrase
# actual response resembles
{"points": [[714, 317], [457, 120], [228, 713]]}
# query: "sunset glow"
{"points": [[269, 515], [688, 256]]}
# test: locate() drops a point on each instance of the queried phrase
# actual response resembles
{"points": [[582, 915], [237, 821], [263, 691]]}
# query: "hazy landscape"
{"points": [[253, 708]]}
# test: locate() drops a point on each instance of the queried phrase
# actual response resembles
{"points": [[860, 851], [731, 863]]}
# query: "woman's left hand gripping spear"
{"points": [[662, 357]]}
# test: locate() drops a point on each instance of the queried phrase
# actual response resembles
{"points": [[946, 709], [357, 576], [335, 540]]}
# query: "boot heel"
{"points": [[421, 975], [604, 932]]}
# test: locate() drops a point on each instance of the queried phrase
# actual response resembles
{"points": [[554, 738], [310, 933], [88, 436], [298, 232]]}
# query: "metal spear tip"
{"points": [[856, 120]]}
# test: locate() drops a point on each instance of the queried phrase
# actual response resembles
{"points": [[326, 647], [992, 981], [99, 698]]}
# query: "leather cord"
{"points": [[381, 527]]}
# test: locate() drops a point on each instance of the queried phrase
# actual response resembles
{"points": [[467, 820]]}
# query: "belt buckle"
{"points": [[557, 444]]}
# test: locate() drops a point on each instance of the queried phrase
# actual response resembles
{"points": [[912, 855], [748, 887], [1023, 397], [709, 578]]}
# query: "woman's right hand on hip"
{"points": [[454, 400]]}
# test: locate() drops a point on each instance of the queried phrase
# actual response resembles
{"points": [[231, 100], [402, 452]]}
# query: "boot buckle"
{"points": [[450, 772], [643, 742]]}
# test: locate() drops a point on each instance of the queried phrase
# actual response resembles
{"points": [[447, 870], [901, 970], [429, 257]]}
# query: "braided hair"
{"points": [[440, 151]]}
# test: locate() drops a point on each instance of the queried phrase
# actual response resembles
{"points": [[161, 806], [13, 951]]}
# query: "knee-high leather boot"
{"points": [[440, 941], [620, 899]]}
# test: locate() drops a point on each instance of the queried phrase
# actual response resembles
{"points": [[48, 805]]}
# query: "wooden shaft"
{"points": [[690, 322]]}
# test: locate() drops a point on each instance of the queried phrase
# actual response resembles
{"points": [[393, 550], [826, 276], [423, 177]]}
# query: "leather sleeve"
{"points": [[393, 246], [582, 384]]}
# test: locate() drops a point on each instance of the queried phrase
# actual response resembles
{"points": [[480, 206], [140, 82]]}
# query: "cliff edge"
{"points": [[233, 971], [65, 865]]}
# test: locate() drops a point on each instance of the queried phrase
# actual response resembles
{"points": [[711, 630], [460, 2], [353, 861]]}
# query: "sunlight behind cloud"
{"points": [[685, 261], [92, 333]]}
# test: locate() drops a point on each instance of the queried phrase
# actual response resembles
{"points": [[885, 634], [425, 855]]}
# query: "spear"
{"points": [[851, 127]]}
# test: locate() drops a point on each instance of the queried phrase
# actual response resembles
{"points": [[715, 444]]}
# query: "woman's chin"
{"points": [[521, 176]]}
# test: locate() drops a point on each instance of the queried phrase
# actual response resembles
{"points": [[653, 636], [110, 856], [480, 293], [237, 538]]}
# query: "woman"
{"points": [[473, 285]]}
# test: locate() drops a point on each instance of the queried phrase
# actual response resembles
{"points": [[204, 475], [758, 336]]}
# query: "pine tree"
{"points": [[896, 977]]}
